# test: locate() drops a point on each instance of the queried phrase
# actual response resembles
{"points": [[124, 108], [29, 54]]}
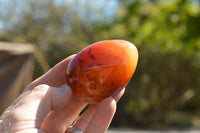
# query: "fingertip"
{"points": [[60, 96], [108, 100], [66, 88], [119, 95], [109, 104]]}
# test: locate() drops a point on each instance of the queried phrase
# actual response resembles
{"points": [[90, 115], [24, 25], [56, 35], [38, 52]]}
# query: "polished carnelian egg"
{"points": [[101, 70]]}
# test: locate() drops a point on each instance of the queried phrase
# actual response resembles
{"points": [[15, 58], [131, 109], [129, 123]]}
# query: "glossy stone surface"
{"points": [[101, 69]]}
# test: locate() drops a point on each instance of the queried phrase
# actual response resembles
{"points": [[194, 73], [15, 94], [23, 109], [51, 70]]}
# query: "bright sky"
{"points": [[109, 7]]}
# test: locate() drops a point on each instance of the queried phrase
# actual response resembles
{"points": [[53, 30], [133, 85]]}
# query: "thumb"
{"points": [[30, 109]]}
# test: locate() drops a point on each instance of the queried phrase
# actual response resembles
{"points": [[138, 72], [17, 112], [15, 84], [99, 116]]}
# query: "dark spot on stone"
{"points": [[99, 64], [92, 57], [81, 61]]}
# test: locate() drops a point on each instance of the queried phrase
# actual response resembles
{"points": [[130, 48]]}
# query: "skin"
{"points": [[48, 106]]}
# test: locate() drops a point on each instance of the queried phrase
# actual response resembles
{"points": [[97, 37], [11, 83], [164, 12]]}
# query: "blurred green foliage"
{"points": [[164, 91]]}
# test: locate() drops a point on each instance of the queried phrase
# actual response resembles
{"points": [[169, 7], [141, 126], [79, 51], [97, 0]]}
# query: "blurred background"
{"points": [[165, 89]]}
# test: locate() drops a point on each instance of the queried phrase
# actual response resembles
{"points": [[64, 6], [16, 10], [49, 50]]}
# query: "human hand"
{"points": [[47, 105]]}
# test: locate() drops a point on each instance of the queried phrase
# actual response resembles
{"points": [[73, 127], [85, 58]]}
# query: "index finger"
{"points": [[54, 77]]}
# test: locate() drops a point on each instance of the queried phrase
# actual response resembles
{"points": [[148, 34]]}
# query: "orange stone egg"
{"points": [[101, 70]]}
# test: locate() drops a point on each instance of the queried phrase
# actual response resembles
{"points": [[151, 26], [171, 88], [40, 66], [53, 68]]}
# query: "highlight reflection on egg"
{"points": [[101, 70]]}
